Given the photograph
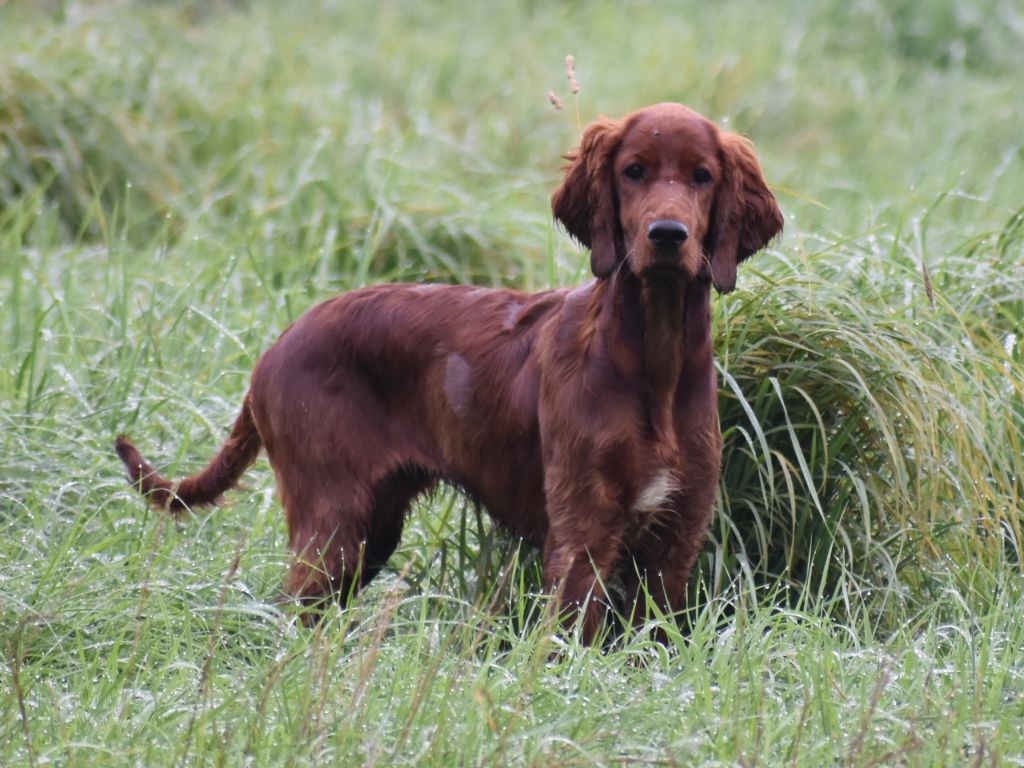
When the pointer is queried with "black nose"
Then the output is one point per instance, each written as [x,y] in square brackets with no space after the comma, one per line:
[667,232]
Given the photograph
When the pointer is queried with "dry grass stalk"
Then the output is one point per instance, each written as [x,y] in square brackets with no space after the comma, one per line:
[570,74]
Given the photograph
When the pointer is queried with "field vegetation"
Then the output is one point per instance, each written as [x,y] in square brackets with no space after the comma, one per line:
[179,180]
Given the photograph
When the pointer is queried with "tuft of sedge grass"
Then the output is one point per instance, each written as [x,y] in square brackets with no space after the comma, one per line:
[866,426]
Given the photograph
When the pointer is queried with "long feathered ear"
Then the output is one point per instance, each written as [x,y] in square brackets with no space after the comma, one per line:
[585,200]
[746,215]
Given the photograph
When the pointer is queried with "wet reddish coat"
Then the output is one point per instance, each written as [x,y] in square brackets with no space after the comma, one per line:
[584,419]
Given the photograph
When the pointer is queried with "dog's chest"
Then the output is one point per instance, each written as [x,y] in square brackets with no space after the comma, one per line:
[656,495]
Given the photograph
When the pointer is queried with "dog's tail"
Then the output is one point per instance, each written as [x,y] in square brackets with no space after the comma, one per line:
[205,487]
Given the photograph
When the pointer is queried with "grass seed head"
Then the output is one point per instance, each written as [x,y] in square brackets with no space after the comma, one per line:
[570,74]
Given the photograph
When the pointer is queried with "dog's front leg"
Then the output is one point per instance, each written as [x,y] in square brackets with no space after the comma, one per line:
[664,560]
[576,580]
[582,550]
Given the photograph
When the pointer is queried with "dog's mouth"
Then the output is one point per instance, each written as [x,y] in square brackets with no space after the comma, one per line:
[668,258]
[666,265]
[666,269]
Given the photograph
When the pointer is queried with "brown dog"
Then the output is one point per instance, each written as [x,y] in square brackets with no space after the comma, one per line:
[584,419]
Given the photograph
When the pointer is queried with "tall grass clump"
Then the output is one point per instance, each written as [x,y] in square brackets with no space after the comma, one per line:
[872,408]
[82,119]
[108,106]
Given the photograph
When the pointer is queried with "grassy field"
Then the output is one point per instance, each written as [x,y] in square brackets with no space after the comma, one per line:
[179,180]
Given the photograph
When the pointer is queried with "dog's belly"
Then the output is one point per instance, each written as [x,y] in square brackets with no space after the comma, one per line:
[510,488]
[488,441]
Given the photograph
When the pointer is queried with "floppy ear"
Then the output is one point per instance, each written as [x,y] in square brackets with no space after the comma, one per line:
[585,200]
[746,214]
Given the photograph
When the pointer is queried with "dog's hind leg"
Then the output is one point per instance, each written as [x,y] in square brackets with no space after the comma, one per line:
[343,533]
[328,528]
[391,499]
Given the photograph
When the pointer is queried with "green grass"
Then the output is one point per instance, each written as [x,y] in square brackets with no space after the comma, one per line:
[180,180]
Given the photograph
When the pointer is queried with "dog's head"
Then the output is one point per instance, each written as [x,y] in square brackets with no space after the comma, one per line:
[665,189]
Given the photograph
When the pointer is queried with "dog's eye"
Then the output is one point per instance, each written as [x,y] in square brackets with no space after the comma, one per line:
[701,176]
[634,172]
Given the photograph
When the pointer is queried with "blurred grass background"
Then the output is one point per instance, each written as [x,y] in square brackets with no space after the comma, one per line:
[179,180]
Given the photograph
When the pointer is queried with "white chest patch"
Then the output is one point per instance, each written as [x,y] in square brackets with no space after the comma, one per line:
[656,494]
